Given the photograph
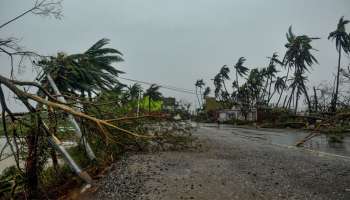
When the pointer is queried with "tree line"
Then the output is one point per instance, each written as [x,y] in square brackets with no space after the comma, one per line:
[265,87]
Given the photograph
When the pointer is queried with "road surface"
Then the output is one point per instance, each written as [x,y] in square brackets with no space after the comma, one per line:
[231,164]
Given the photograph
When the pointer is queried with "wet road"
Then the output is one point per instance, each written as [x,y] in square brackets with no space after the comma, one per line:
[288,138]
[233,163]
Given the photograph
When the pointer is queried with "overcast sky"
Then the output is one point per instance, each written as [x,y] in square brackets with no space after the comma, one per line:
[175,42]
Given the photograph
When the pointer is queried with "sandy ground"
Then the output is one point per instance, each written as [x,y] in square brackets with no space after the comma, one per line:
[228,167]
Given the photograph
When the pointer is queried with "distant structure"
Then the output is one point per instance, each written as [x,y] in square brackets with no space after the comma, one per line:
[235,113]
[169,104]
[218,113]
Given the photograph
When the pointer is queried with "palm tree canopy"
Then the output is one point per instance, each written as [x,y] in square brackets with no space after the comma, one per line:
[224,72]
[271,69]
[280,84]
[134,90]
[218,84]
[298,51]
[255,81]
[342,39]
[153,92]
[91,70]
[240,69]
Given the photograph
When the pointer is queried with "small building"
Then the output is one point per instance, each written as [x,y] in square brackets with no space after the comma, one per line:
[236,113]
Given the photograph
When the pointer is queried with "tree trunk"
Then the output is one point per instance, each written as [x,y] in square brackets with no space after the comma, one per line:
[31,165]
[334,102]
[296,102]
[285,100]
[307,98]
[284,89]
[279,98]
[265,90]
[268,96]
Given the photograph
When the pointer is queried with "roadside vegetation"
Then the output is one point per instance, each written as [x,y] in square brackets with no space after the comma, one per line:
[77,116]
[280,94]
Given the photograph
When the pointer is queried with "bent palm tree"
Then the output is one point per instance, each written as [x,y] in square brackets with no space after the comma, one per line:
[218,85]
[240,69]
[224,74]
[199,84]
[271,73]
[299,57]
[280,85]
[342,42]
[90,71]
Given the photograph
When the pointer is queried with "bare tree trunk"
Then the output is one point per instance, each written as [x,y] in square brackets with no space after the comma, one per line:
[334,102]
[279,98]
[268,95]
[31,164]
[307,98]
[296,102]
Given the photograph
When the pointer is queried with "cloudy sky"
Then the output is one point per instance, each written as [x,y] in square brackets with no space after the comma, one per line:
[175,42]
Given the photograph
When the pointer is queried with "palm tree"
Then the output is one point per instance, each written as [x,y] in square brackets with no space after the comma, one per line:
[298,86]
[342,42]
[153,94]
[199,84]
[299,57]
[218,85]
[280,85]
[90,71]
[224,74]
[240,69]
[255,85]
[271,73]
[134,91]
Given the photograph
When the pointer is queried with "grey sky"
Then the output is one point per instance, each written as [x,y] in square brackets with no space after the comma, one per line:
[176,42]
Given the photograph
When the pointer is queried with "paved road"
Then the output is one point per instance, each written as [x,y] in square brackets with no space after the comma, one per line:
[229,165]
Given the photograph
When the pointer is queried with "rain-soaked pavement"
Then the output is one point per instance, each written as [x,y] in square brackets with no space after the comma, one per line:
[288,138]
[234,163]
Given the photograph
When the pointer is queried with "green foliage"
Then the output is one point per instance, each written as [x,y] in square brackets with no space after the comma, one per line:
[89,71]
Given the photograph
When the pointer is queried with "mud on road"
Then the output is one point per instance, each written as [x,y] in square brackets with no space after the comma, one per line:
[227,167]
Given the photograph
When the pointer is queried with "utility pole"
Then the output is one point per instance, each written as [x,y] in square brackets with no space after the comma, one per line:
[78,132]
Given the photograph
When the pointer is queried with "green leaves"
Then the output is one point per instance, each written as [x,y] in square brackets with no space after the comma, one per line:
[298,54]
[341,37]
[153,92]
[240,69]
[89,71]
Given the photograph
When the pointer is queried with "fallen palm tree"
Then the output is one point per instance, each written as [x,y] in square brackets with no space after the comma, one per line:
[111,131]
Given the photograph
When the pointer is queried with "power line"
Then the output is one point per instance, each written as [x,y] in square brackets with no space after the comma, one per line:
[169,87]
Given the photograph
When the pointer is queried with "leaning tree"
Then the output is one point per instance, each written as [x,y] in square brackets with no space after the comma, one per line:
[298,56]
[342,43]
